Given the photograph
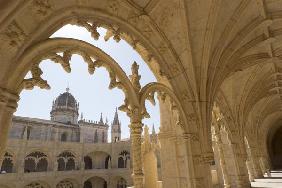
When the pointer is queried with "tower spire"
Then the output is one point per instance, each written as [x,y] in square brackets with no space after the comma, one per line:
[116,120]
[101,119]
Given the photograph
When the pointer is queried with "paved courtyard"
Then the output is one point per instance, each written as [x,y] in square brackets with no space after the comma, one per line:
[275,180]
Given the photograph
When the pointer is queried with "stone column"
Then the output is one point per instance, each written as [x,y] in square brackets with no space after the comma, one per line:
[218,141]
[255,162]
[250,170]
[253,156]
[8,105]
[149,161]
[240,157]
[170,176]
[198,165]
[135,136]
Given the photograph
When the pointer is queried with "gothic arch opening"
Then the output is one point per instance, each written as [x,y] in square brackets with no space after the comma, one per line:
[95,182]
[117,79]
[66,161]
[35,162]
[87,162]
[7,164]
[65,184]
[98,160]
[276,149]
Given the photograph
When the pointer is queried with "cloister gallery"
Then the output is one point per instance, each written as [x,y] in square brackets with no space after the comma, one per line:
[219,77]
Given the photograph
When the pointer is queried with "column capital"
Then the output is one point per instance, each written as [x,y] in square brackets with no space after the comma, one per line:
[9,99]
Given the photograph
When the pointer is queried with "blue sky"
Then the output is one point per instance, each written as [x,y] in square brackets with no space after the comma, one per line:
[91,91]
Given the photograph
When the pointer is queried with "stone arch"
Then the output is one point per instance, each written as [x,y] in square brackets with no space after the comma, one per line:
[123,158]
[60,18]
[276,151]
[49,49]
[37,184]
[99,159]
[36,162]
[97,182]
[8,163]
[87,162]
[121,163]
[120,182]
[69,181]
[45,85]
[66,161]
[66,183]
[108,162]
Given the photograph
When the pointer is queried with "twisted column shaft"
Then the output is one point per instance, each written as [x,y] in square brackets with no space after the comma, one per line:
[136,132]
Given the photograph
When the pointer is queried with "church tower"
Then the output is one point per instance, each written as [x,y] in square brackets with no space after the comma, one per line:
[116,131]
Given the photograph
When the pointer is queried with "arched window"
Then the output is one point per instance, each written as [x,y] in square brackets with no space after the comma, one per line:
[121,162]
[87,184]
[7,164]
[29,165]
[107,160]
[66,161]
[64,137]
[42,165]
[87,162]
[36,162]
[121,183]
[65,184]
[70,165]
[61,164]
[34,185]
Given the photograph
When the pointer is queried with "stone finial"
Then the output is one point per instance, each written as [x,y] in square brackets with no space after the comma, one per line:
[135,77]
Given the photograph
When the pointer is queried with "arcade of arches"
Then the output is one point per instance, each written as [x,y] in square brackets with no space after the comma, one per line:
[219,70]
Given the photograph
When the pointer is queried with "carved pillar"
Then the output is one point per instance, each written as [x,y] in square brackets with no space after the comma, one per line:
[255,162]
[149,161]
[264,166]
[135,135]
[168,159]
[8,105]
[198,166]
[223,166]
[240,157]
[250,170]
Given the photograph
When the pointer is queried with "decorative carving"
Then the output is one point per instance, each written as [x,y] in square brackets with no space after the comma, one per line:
[91,28]
[113,32]
[42,7]
[113,7]
[9,99]
[135,77]
[36,79]
[63,60]
[15,34]
[114,81]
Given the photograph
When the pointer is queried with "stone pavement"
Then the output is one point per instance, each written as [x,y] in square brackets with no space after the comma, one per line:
[275,180]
